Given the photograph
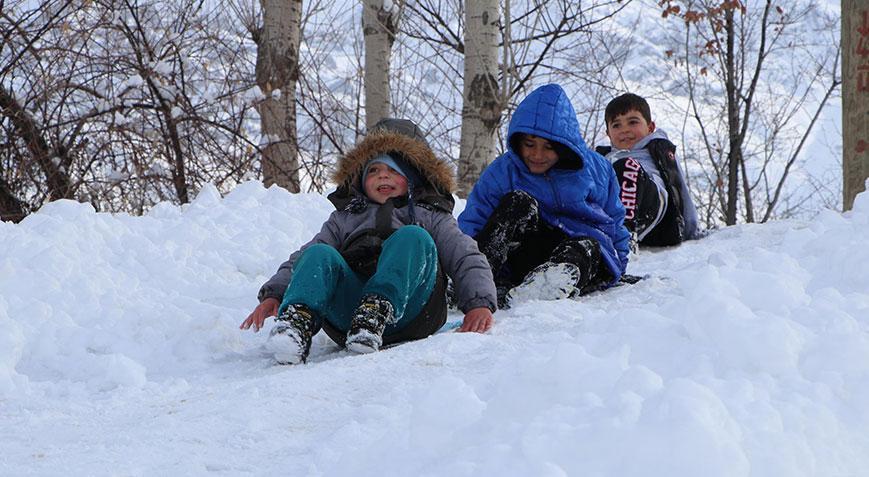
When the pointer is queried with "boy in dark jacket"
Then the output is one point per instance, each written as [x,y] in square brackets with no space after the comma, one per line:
[658,206]
[546,213]
[374,274]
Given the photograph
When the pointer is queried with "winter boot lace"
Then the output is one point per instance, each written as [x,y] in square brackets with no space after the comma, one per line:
[290,339]
[549,281]
[369,321]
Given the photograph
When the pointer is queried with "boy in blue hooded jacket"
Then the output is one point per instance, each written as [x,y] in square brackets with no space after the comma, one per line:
[547,212]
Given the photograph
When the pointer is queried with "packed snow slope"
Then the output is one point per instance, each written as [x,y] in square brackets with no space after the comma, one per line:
[745,353]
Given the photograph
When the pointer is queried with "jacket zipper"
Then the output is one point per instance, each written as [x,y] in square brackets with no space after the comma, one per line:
[558,206]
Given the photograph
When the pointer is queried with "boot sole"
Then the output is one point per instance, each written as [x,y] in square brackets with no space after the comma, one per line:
[363,342]
[548,285]
[285,348]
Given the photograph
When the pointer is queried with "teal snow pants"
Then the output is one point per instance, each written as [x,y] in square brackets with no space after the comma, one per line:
[406,275]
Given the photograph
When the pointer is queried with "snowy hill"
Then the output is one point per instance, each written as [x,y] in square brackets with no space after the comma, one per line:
[746,353]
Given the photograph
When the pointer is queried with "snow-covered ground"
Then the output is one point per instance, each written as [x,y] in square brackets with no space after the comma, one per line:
[746,353]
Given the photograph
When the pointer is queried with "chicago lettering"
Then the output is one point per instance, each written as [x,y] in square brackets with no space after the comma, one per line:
[628,195]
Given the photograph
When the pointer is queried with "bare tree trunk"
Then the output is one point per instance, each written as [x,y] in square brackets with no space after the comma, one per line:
[481,109]
[52,163]
[855,99]
[734,154]
[11,209]
[746,194]
[379,25]
[175,150]
[277,71]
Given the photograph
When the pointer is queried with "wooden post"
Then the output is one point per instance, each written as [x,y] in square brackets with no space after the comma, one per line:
[855,98]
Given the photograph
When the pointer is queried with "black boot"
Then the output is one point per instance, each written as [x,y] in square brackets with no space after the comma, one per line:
[369,321]
[502,290]
[290,339]
[584,252]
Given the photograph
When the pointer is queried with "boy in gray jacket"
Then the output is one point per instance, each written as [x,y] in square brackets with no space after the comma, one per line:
[658,206]
[375,273]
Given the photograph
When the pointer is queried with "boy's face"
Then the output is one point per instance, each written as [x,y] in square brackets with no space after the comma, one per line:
[537,153]
[383,182]
[627,129]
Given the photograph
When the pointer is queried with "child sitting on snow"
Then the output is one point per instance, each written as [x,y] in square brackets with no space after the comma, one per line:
[374,274]
[546,213]
[658,207]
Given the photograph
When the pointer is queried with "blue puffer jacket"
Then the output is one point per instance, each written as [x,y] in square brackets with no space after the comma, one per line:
[580,202]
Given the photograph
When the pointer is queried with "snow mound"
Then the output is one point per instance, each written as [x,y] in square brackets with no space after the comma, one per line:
[745,353]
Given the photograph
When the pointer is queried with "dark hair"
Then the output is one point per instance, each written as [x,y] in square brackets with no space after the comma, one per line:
[626,103]
[567,158]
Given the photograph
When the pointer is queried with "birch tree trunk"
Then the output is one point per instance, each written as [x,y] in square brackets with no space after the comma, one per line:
[379,25]
[481,108]
[277,71]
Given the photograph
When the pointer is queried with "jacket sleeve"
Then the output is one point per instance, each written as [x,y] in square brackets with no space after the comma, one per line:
[689,211]
[464,263]
[484,198]
[277,285]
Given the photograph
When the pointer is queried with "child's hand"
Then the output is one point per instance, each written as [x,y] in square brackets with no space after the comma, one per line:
[478,320]
[268,307]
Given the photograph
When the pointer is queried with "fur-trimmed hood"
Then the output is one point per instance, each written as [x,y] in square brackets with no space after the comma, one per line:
[437,177]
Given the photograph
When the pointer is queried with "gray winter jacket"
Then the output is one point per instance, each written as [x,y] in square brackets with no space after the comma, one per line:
[641,154]
[429,206]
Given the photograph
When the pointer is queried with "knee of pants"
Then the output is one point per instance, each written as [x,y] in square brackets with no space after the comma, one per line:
[319,252]
[518,200]
[412,233]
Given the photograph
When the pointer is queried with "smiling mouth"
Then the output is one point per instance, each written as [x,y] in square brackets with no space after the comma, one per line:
[385,188]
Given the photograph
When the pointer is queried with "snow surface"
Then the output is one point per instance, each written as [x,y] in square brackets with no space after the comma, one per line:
[746,353]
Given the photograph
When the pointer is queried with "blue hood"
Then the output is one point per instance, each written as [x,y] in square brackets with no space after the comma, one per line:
[548,113]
